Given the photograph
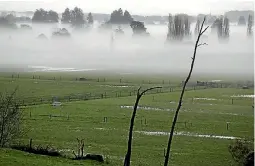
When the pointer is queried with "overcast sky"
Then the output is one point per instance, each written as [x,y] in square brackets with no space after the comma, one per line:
[143,7]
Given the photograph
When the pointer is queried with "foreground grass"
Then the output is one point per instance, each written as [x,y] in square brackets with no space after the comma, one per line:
[205,111]
[85,120]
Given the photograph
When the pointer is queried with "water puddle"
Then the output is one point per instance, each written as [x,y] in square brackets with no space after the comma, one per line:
[181,133]
[117,86]
[216,80]
[244,96]
[147,108]
[228,114]
[204,99]
[57,69]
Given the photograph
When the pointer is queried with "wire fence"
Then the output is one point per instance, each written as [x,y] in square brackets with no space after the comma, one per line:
[104,95]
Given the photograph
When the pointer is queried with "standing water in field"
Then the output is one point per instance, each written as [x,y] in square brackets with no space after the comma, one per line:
[92,50]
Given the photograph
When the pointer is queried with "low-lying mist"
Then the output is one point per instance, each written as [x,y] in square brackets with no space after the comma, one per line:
[93,50]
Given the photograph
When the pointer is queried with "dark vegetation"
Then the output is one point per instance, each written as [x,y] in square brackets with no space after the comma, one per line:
[242,152]
[118,17]
[178,27]
[48,151]
[44,16]
[250,25]
[10,118]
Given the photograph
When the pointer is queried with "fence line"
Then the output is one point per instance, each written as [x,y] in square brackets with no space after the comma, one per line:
[101,95]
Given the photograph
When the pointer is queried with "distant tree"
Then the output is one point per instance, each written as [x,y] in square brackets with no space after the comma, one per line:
[25,27]
[138,28]
[197,28]
[222,25]
[41,15]
[10,18]
[241,21]
[62,32]
[178,27]
[66,16]
[250,26]
[127,17]
[52,16]
[42,37]
[90,19]
[8,21]
[77,18]
[117,17]
[187,32]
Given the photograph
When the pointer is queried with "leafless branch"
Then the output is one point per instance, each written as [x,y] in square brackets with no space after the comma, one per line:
[129,149]
[201,44]
[201,31]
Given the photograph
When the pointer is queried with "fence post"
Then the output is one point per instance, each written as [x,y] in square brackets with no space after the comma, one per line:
[120,80]
[30,143]
[227,125]
[232,101]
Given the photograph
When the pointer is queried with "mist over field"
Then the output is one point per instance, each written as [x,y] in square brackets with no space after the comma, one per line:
[92,49]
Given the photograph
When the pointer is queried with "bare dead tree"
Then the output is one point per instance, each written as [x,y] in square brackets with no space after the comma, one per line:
[80,149]
[10,118]
[132,121]
[201,31]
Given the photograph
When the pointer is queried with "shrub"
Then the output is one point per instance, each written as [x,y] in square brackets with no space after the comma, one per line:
[241,151]
[10,118]
[48,151]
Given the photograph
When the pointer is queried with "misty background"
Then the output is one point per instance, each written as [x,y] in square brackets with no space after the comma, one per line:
[92,50]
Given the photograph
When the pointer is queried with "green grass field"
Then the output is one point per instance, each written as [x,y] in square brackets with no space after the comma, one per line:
[204,112]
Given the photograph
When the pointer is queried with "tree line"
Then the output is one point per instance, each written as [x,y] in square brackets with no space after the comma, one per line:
[178,25]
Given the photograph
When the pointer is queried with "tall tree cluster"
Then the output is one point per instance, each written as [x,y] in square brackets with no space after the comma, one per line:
[178,27]
[222,24]
[76,17]
[250,25]
[42,15]
[118,17]
[197,27]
